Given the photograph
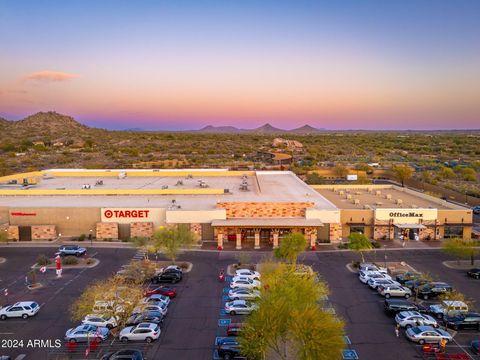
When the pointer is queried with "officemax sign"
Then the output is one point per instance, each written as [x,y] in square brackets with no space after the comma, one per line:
[128,215]
[406,216]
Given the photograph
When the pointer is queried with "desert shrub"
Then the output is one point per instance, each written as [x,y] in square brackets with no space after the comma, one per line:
[184,265]
[82,237]
[43,260]
[89,261]
[69,260]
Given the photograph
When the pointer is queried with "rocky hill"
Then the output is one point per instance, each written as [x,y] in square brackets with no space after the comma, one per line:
[48,123]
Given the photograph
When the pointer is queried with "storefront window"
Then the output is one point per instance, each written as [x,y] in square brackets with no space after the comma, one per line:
[453,231]
[357,229]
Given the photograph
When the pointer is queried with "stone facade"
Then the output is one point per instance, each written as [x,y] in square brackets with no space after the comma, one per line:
[196,229]
[141,229]
[12,233]
[335,232]
[264,209]
[106,231]
[427,234]
[44,232]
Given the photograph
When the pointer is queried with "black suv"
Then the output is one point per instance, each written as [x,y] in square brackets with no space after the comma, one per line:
[125,354]
[167,276]
[150,316]
[432,290]
[394,306]
[474,273]
[463,321]
[229,348]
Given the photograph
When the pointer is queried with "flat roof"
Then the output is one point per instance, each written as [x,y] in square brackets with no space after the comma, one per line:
[263,186]
[380,197]
[275,222]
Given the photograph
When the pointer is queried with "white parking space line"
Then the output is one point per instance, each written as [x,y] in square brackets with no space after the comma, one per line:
[6,333]
[21,357]
[462,347]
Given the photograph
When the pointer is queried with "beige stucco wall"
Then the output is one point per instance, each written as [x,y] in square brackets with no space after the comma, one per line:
[200,217]
[325,216]
[68,221]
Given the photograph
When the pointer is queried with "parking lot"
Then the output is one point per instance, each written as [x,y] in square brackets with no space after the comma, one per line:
[192,323]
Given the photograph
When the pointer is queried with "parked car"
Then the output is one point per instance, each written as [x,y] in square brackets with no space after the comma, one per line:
[409,319]
[427,334]
[167,276]
[155,317]
[407,276]
[474,273]
[372,267]
[433,289]
[74,250]
[375,283]
[162,290]
[414,284]
[86,332]
[23,309]
[239,307]
[475,346]
[394,291]
[254,275]
[234,329]
[154,306]
[142,332]
[476,209]
[448,308]
[393,306]
[243,294]
[171,268]
[125,354]
[228,348]
[101,320]
[243,282]
[470,321]
[364,276]
[156,298]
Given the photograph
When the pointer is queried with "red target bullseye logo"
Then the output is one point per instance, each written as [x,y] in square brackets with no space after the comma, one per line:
[108,214]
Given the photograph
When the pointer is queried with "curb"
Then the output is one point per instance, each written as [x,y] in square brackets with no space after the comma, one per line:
[2,260]
[96,262]
[455,266]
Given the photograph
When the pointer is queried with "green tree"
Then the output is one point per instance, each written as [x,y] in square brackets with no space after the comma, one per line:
[170,240]
[462,248]
[119,300]
[143,243]
[3,236]
[446,173]
[290,247]
[402,173]
[289,323]
[314,179]
[340,170]
[358,242]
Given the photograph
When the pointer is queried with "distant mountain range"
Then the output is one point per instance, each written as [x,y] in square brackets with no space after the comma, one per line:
[264,129]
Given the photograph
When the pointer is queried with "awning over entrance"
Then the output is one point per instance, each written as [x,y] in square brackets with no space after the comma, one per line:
[269,222]
[410,226]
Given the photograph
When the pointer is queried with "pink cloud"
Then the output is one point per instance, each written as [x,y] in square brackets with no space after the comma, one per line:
[49,76]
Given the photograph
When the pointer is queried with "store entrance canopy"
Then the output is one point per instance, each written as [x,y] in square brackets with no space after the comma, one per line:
[410,226]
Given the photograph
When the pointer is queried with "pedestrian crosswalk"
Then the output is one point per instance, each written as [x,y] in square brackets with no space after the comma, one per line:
[140,255]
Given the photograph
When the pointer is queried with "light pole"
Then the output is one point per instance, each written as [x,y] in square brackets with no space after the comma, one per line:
[91,237]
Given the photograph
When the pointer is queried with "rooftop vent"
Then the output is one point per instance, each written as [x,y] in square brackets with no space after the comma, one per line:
[378,192]
[388,196]
[399,201]
[356,201]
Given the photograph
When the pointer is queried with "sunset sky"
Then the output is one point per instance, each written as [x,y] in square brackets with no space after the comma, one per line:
[351,64]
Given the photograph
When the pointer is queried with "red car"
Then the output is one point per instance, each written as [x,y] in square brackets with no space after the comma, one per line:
[162,290]
[234,329]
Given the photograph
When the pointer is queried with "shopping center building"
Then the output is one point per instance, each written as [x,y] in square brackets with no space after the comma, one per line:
[233,209]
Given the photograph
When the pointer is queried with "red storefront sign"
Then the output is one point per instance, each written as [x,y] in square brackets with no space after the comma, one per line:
[126,214]
[19,213]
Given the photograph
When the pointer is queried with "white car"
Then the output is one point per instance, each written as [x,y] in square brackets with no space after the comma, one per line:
[243,282]
[156,298]
[239,307]
[142,332]
[427,334]
[410,319]
[364,276]
[372,267]
[23,309]
[375,283]
[101,320]
[254,275]
[243,294]
[394,291]
[85,333]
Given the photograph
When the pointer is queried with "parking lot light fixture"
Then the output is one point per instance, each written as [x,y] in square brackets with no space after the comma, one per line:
[385,255]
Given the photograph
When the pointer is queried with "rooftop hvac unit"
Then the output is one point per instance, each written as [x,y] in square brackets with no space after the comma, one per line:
[335,190]
[378,192]
[414,206]
[356,201]
[122,175]
[399,201]
[388,196]
[341,192]
[349,196]
[370,190]
[367,207]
